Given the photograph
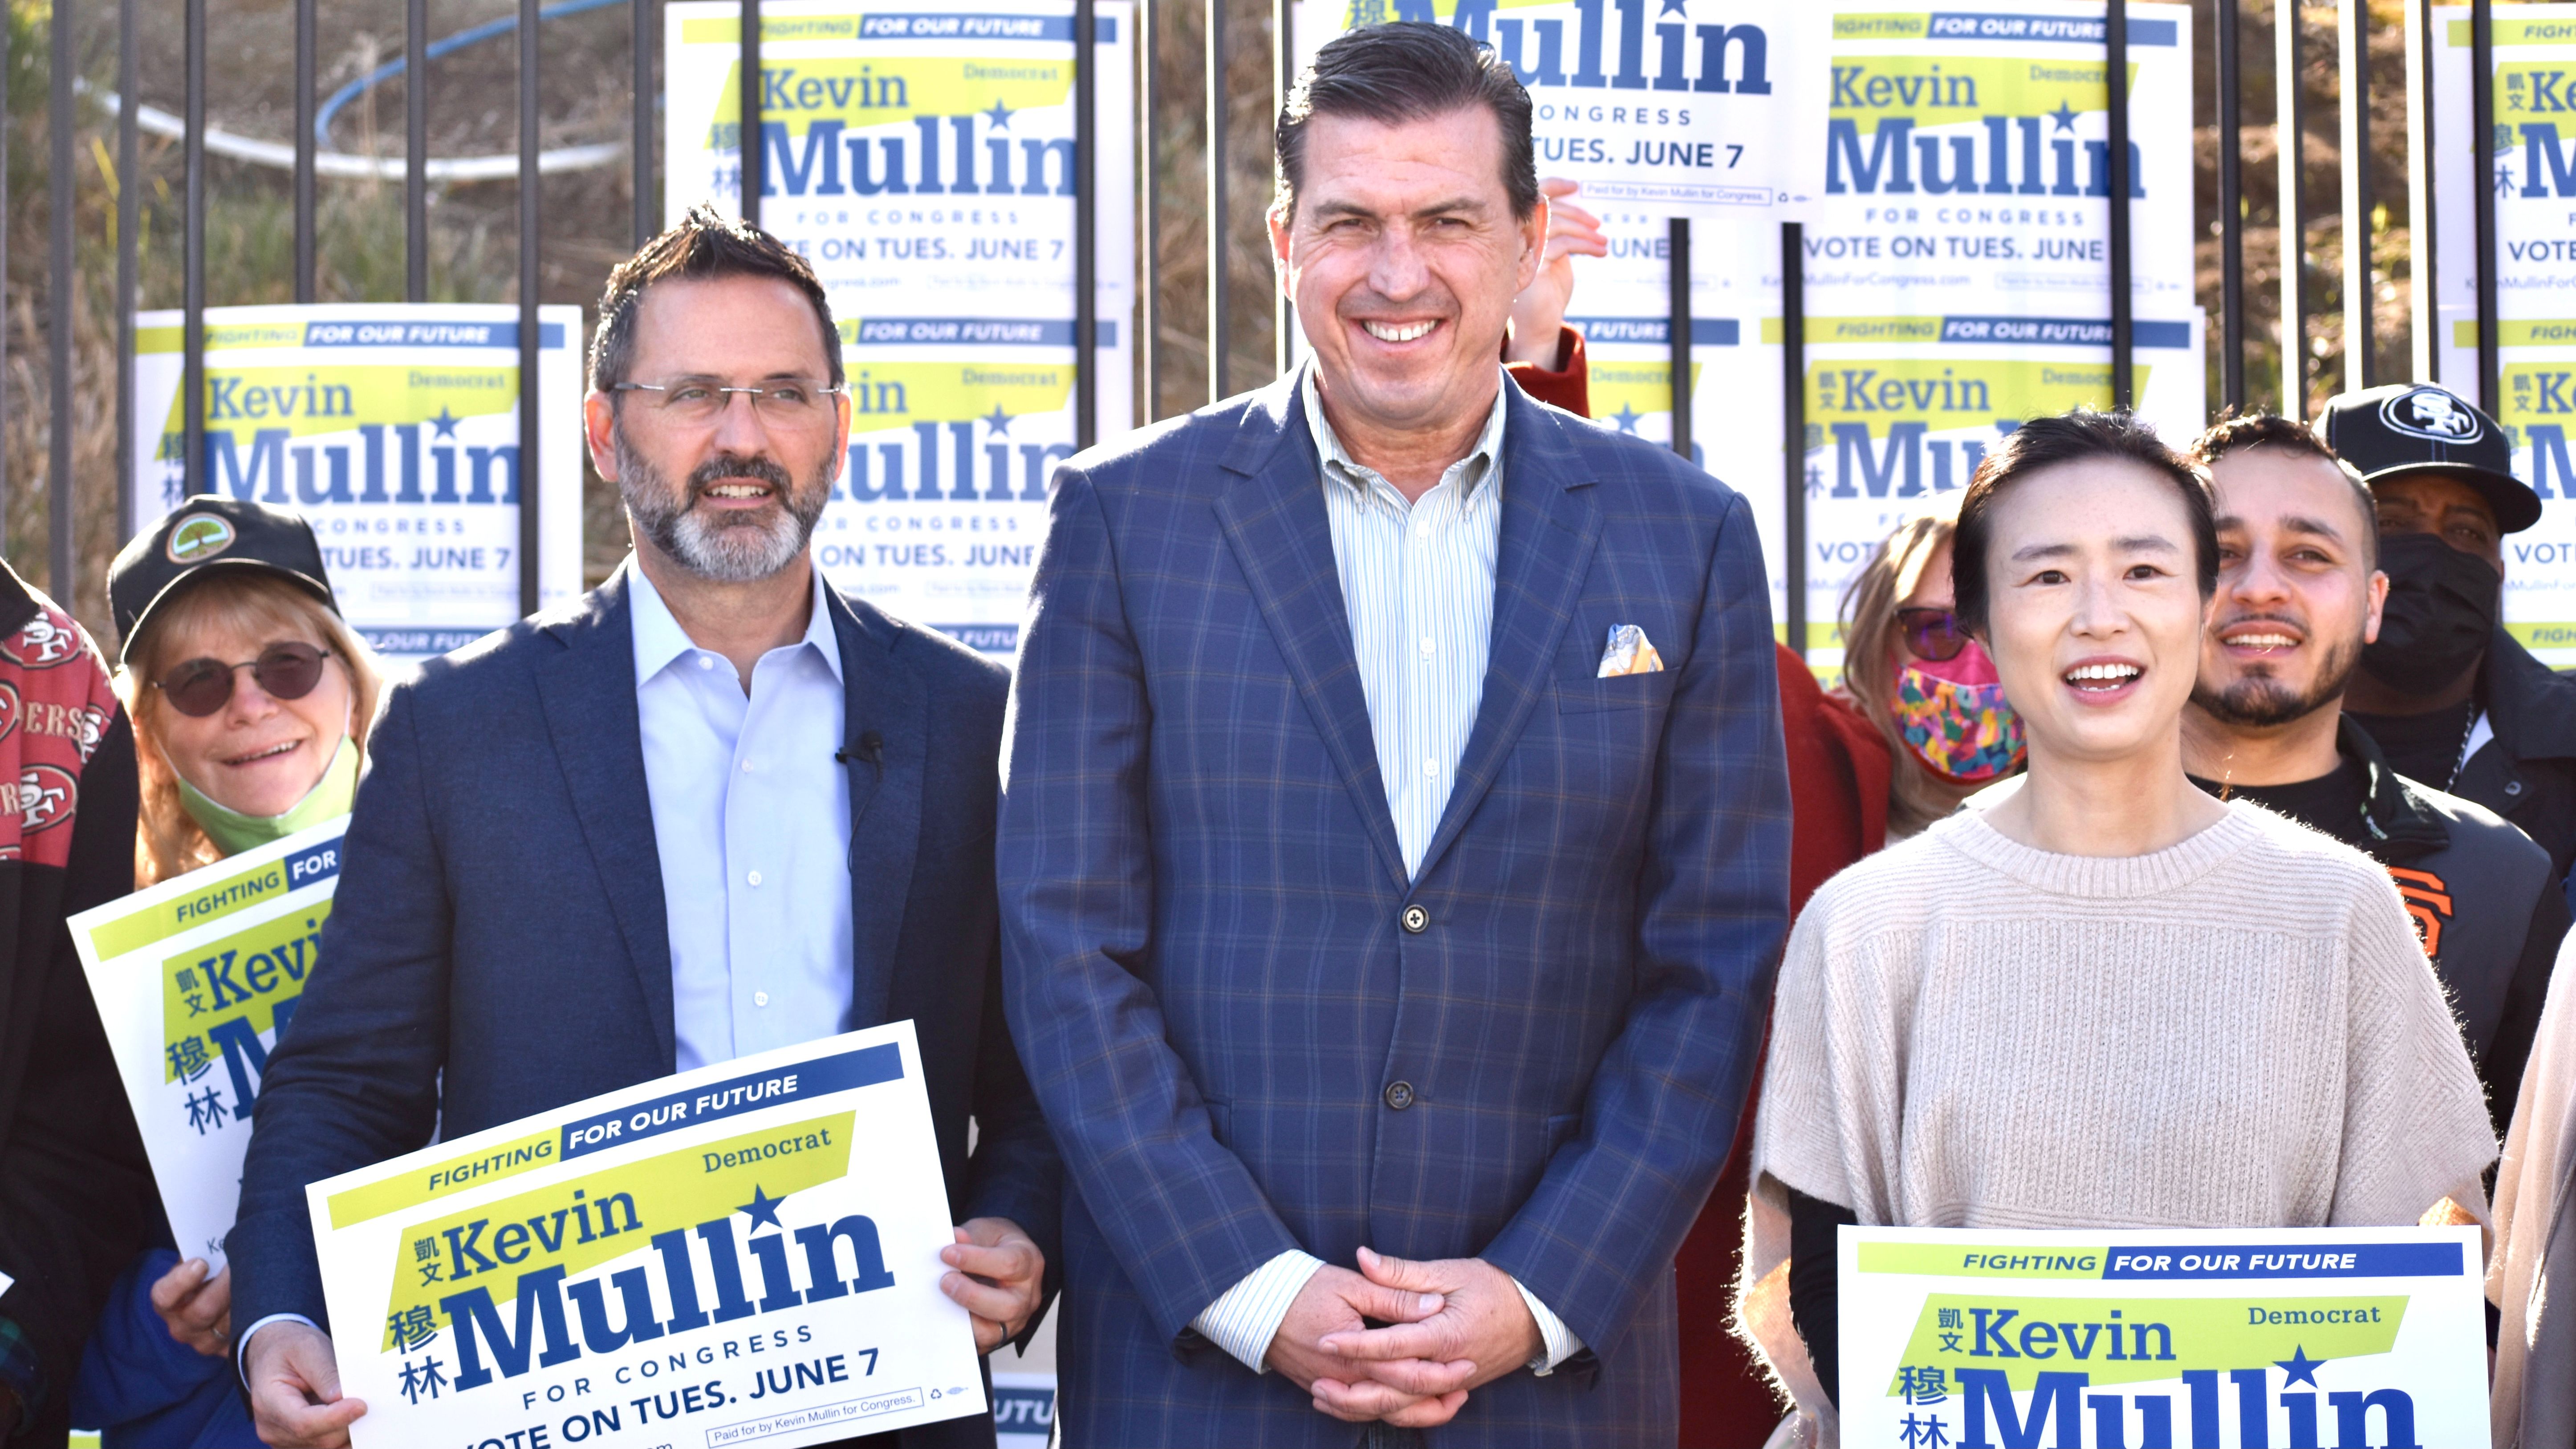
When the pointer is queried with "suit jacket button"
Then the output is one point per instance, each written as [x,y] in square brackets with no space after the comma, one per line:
[1415,920]
[1399,1095]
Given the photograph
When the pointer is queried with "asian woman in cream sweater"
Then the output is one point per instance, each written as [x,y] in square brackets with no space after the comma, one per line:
[2110,1001]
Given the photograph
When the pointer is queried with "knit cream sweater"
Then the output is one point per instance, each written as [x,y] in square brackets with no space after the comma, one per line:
[2239,1030]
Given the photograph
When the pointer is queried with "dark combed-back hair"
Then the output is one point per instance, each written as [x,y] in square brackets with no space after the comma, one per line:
[2236,432]
[1408,70]
[2076,437]
[704,246]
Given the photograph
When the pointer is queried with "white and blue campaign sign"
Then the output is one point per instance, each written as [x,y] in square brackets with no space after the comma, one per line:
[1958,258]
[394,429]
[1704,108]
[194,979]
[923,160]
[2220,1339]
[2531,165]
[743,1254]
[1023,1410]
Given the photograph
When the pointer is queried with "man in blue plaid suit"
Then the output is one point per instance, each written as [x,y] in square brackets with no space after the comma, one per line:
[1394,846]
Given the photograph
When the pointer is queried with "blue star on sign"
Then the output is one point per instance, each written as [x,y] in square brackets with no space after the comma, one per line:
[999,421]
[1674,7]
[2300,1368]
[1626,418]
[1000,116]
[763,1209]
[2064,116]
[445,422]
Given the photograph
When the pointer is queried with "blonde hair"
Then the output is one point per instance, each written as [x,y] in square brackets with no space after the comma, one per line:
[1915,797]
[167,839]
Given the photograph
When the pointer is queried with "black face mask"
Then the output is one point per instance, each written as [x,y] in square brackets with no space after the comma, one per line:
[2441,611]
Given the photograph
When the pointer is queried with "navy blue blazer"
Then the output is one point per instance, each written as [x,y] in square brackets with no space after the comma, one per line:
[1211,952]
[500,920]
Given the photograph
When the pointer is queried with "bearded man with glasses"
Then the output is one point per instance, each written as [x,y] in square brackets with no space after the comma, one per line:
[713,808]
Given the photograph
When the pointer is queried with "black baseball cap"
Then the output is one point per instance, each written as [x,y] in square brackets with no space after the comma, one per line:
[2423,427]
[206,535]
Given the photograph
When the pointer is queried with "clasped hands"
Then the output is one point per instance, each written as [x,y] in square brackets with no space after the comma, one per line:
[1453,1325]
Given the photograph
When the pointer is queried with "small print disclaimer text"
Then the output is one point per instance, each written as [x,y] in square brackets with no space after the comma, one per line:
[846,1411]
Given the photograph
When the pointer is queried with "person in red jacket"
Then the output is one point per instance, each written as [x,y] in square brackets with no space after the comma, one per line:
[1839,779]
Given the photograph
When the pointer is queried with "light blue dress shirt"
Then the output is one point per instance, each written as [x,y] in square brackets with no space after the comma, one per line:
[751,816]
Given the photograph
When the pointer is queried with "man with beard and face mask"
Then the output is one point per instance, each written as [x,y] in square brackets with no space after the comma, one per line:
[714,807]
[2299,599]
[2446,690]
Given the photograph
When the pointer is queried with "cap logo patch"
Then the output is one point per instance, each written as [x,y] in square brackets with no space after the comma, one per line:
[2431,414]
[198,537]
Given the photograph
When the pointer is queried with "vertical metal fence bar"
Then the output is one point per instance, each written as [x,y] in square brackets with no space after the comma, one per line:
[1149,227]
[1793,430]
[1086,232]
[61,290]
[2423,156]
[1283,313]
[531,281]
[416,151]
[306,59]
[2115,47]
[2352,40]
[748,145]
[647,221]
[2231,206]
[129,209]
[192,227]
[1216,248]
[2481,143]
[2292,209]
[1677,326]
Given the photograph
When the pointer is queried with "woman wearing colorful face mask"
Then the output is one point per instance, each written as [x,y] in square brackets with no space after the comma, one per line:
[1927,686]
[250,699]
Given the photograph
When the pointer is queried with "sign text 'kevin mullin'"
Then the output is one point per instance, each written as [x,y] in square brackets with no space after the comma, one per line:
[977,156]
[484,1343]
[2017,158]
[322,473]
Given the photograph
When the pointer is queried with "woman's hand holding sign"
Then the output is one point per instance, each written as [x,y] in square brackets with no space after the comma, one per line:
[998,1275]
[198,1310]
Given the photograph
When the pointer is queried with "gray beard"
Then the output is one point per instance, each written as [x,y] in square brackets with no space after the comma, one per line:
[722,552]
[2262,702]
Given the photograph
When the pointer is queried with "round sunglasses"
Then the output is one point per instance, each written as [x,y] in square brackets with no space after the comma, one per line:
[199,687]
[1932,634]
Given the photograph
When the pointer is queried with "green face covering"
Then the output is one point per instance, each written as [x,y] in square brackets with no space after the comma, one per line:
[233,832]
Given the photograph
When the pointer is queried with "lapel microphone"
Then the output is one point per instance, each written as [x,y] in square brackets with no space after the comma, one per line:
[871,748]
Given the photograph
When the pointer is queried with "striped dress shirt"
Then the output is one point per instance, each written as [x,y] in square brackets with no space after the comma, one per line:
[1418,584]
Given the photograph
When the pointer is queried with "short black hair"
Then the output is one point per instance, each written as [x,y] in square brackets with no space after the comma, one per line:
[1408,70]
[2236,432]
[705,245]
[2073,437]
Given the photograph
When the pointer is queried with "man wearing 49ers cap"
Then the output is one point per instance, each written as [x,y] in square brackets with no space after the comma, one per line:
[2451,697]
[74,1188]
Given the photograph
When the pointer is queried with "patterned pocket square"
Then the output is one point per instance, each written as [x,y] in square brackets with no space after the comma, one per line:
[1629,653]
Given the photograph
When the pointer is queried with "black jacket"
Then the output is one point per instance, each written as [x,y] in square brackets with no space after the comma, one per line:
[75,1192]
[2527,774]
[2485,900]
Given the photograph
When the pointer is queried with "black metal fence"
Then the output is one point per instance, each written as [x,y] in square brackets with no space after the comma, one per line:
[1227,200]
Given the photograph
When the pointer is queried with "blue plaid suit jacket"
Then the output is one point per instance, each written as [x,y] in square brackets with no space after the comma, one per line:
[1201,892]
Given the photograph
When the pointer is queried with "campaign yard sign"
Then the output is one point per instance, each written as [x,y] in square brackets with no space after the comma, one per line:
[2221,1339]
[194,979]
[743,1254]
[923,160]
[1704,108]
[394,430]
[2530,163]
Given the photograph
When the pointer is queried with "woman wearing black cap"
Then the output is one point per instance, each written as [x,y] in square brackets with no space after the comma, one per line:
[250,698]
